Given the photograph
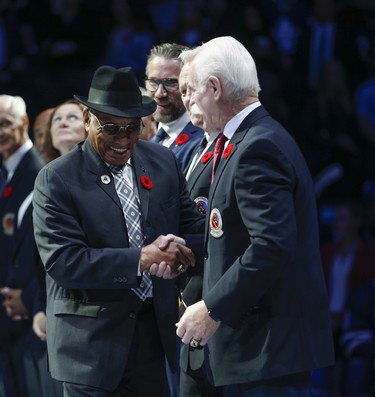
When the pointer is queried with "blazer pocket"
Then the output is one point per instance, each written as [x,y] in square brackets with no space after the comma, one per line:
[77,308]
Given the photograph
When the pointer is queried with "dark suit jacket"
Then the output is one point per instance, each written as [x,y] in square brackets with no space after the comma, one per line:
[262,275]
[184,151]
[82,239]
[17,269]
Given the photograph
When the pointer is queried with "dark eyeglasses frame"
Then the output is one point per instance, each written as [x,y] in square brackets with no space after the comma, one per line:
[114,129]
[170,85]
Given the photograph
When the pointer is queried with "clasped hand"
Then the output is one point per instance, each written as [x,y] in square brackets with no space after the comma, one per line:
[13,303]
[165,256]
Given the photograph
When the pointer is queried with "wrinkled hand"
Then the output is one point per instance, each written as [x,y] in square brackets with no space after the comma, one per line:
[13,303]
[165,255]
[196,323]
[39,325]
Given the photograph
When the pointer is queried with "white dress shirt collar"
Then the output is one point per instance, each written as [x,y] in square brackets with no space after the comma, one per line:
[174,128]
[12,162]
[233,124]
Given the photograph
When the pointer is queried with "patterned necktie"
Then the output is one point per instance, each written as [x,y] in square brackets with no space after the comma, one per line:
[133,216]
[219,147]
[160,135]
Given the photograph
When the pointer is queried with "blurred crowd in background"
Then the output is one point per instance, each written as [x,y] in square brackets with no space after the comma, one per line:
[316,66]
[315,59]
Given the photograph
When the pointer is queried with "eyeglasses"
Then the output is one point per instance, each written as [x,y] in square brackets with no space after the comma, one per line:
[131,130]
[170,85]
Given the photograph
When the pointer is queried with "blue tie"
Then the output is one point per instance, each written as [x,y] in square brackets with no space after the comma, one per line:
[160,135]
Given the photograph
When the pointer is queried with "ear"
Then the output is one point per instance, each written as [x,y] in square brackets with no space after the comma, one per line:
[86,119]
[214,84]
[25,126]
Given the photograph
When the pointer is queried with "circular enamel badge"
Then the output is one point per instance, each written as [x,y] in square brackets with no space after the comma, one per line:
[105,179]
[202,204]
[216,223]
[8,223]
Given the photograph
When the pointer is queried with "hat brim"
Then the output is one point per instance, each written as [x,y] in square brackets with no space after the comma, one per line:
[148,107]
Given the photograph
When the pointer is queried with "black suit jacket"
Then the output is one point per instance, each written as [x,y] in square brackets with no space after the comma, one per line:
[82,239]
[17,268]
[262,275]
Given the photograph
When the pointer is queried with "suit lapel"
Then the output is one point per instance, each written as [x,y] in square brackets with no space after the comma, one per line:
[140,170]
[239,135]
[104,178]
[200,167]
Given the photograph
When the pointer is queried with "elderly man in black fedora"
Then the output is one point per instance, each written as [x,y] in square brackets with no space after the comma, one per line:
[106,219]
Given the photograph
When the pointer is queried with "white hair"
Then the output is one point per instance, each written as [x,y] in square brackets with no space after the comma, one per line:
[228,60]
[14,105]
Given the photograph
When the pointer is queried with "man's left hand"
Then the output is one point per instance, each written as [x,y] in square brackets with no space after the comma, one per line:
[13,303]
[196,324]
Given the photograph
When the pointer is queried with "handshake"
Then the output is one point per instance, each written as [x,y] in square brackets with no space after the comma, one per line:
[167,257]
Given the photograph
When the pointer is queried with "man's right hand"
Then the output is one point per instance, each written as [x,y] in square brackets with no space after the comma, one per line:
[165,255]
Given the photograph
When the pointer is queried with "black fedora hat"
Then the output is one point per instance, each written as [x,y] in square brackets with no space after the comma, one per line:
[116,92]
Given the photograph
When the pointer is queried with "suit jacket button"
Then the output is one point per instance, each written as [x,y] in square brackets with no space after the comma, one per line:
[205,256]
[132,315]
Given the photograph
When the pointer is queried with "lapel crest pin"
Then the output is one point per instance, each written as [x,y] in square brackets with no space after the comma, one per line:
[8,223]
[216,223]
[105,179]
[202,204]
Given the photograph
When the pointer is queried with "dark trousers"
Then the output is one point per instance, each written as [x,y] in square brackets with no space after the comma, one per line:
[195,384]
[144,374]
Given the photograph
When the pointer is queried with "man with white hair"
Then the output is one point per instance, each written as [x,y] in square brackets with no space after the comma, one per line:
[18,271]
[263,319]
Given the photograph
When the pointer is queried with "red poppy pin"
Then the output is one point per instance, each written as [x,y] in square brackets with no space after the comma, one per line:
[146,182]
[227,150]
[7,191]
[181,139]
[206,157]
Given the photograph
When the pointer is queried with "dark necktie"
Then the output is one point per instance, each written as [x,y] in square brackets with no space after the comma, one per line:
[160,135]
[201,147]
[3,177]
[132,215]
[219,147]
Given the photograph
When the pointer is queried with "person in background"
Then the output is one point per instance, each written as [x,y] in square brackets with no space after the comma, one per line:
[66,128]
[175,129]
[264,316]
[19,347]
[348,263]
[106,219]
[40,128]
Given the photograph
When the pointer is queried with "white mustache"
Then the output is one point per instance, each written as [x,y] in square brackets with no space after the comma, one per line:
[195,111]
